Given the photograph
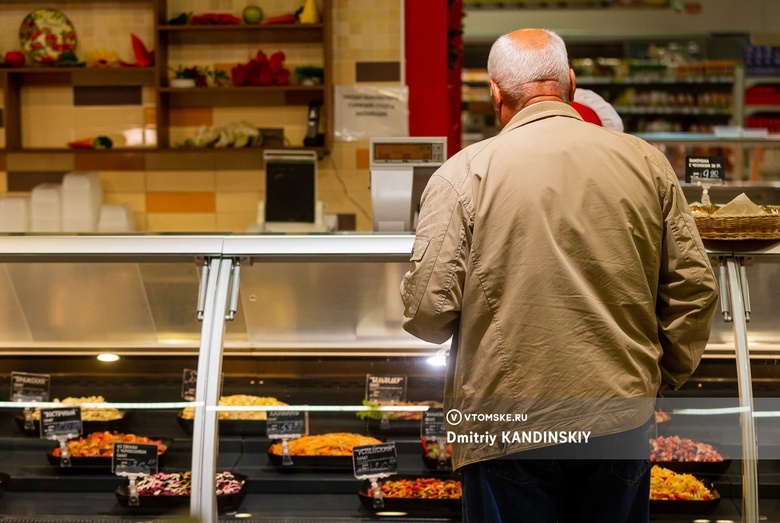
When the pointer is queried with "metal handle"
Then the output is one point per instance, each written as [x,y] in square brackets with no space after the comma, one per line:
[743,282]
[725,300]
[204,278]
[233,297]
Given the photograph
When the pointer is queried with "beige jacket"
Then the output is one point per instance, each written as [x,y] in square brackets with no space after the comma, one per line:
[563,259]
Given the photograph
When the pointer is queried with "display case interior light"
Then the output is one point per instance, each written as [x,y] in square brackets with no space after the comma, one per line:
[107,356]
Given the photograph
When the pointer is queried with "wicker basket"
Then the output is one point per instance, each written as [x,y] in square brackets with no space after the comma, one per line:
[715,227]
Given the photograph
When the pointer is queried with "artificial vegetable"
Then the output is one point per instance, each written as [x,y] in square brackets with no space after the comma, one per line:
[182,19]
[100,142]
[281,19]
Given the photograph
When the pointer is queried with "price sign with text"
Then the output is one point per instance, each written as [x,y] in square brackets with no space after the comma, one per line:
[705,169]
[433,424]
[26,386]
[374,460]
[286,424]
[189,382]
[134,458]
[60,422]
[385,389]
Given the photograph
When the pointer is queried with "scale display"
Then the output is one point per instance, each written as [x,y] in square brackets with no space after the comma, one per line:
[390,152]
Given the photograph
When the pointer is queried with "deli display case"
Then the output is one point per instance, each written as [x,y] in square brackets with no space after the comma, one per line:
[217,335]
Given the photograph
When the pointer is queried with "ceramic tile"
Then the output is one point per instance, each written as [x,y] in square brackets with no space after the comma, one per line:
[181,202]
[178,222]
[136,201]
[237,202]
[123,181]
[236,221]
[183,181]
[240,181]
[191,116]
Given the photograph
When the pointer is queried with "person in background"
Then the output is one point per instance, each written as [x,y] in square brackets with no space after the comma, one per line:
[562,260]
[595,109]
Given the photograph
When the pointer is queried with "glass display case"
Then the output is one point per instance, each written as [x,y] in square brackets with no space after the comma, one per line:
[220,337]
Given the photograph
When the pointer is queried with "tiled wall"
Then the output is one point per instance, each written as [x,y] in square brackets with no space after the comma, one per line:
[209,200]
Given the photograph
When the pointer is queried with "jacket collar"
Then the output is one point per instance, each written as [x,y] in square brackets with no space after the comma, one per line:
[539,111]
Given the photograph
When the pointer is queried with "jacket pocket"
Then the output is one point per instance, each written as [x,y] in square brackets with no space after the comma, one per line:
[419,248]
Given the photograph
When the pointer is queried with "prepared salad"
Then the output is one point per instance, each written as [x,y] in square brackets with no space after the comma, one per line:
[675,448]
[668,485]
[421,488]
[330,444]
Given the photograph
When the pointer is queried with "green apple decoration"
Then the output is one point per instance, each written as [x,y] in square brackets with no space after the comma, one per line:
[252,14]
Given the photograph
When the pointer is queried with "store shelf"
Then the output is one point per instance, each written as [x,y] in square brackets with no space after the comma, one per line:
[164,99]
[673,110]
[140,159]
[585,81]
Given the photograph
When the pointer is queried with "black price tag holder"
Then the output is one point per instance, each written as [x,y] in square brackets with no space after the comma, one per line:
[29,387]
[286,425]
[374,462]
[705,171]
[385,390]
[134,460]
[189,382]
[61,424]
[433,429]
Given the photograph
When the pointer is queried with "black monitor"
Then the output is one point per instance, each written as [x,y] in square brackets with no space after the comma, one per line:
[290,186]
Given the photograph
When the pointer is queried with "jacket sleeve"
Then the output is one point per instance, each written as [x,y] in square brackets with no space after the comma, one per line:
[687,288]
[432,291]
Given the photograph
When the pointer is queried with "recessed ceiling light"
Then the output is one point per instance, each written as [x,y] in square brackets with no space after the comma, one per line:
[108,357]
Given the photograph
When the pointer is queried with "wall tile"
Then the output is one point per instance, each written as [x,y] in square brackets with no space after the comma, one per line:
[123,181]
[136,201]
[236,221]
[240,181]
[191,116]
[184,181]
[181,202]
[237,202]
[177,222]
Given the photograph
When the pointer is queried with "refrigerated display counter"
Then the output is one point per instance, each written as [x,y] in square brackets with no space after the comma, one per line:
[225,328]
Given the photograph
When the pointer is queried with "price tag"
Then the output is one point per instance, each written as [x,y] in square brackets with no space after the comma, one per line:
[385,389]
[705,169]
[30,387]
[286,424]
[433,424]
[134,458]
[374,460]
[189,384]
[60,422]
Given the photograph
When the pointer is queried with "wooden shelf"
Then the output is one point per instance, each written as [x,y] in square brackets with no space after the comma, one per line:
[140,158]
[16,158]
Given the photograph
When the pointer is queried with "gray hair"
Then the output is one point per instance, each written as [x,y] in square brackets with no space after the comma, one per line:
[515,67]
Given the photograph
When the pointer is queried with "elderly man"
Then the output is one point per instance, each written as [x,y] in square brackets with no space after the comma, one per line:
[563,261]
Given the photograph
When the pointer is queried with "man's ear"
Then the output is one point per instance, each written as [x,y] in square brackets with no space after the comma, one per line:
[573,78]
[495,93]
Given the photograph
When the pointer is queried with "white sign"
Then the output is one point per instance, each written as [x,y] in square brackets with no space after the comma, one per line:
[363,111]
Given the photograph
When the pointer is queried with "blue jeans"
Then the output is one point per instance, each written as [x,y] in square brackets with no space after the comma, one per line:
[535,487]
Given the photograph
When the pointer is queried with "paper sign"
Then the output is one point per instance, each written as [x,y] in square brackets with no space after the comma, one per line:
[29,387]
[385,389]
[134,458]
[363,111]
[374,460]
[189,383]
[433,424]
[705,169]
[60,422]
[286,424]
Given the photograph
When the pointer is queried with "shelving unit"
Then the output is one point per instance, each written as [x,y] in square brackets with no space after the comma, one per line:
[762,110]
[17,156]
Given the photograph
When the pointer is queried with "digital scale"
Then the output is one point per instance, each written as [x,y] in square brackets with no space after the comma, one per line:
[400,169]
